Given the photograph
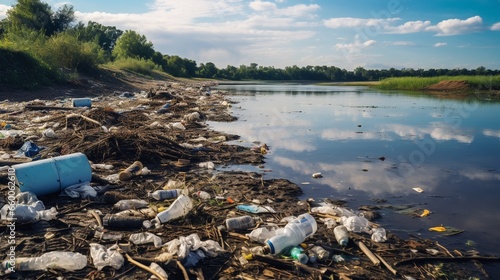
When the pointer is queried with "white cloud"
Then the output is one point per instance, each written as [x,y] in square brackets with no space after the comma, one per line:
[492,133]
[495,27]
[410,27]
[3,11]
[457,26]
[440,44]
[350,22]
[300,10]
[401,43]
[261,6]
[355,46]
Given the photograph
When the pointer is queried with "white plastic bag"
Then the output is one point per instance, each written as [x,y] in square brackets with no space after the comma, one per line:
[83,190]
[144,238]
[154,266]
[106,257]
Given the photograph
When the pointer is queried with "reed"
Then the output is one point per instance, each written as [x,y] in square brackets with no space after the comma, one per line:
[420,83]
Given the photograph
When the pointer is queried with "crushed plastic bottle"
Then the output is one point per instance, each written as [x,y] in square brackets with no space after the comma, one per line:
[130,204]
[144,238]
[356,223]
[320,252]
[108,236]
[56,260]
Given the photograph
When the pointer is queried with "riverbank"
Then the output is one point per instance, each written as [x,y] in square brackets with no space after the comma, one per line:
[171,153]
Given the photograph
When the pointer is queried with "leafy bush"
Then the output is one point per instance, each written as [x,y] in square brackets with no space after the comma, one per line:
[141,66]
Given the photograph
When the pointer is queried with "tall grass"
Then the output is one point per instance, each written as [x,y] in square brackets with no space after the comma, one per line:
[141,66]
[419,83]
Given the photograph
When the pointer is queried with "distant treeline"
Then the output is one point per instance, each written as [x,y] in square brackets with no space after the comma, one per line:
[59,48]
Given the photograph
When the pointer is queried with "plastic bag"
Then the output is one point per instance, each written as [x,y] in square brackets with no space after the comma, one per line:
[83,190]
[106,257]
[379,235]
[29,149]
[182,246]
[356,224]
[26,209]
[144,238]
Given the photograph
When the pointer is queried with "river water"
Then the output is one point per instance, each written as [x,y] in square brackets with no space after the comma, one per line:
[374,148]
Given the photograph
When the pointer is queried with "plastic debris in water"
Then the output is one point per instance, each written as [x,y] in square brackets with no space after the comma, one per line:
[438,229]
[425,213]
[418,190]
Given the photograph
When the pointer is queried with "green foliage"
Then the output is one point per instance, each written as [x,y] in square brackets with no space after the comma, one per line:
[38,16]
[23,71]
[132,44]
[180,67]
[105,36]
[141,66]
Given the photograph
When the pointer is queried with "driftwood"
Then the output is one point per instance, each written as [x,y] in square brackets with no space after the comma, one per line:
[368,253]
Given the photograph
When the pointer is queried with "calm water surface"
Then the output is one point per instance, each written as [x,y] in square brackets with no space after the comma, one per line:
[448,148]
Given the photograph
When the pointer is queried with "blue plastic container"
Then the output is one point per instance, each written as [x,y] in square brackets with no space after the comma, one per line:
[82,102]
[53,175]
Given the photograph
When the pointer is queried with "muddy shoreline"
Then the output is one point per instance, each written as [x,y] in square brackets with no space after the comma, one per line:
[148,134]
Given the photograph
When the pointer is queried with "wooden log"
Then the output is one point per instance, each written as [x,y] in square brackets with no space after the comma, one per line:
[368,253]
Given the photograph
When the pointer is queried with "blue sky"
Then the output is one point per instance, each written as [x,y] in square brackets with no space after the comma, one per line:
[374,34]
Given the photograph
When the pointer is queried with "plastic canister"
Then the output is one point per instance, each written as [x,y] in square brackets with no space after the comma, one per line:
[82,102]
[239,223]
[294,233]
[177,209]
[53,175]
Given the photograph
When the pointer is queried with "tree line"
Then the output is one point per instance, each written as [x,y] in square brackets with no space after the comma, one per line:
[58,43]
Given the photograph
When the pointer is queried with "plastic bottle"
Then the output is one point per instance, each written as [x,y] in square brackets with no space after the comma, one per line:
[294,233]
[297,253]
[320,252]
[56,259]
[124,222]
[131,171]
[202,195]
[166,194]
[112,197]
[238,223]
[130,204]
[108,236]
[341,235]
[178,208]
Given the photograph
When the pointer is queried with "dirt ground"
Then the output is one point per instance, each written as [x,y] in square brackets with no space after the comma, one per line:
[135,130]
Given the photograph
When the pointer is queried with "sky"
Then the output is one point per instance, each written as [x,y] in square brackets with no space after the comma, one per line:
[374,34]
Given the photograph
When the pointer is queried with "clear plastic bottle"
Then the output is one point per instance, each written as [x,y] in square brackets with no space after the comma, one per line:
[123,222]
[167,194]
[130,204]
[341,235]
[56,259]
[320,252]
[203,195]
[356,223]
[180,207]
[239,223]
[294,233]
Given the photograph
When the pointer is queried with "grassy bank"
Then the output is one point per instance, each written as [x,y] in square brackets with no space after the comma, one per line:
[420,83]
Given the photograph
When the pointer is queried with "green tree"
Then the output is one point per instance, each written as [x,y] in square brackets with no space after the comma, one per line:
[37,15]
[132,44]
[207,70]
[105,36]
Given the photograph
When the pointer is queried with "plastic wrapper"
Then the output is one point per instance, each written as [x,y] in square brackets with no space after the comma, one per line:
[182,246]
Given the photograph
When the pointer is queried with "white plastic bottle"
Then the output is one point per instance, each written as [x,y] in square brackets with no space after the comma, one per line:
[167,194]
[341,235]
[238,223]
[294,233]
[177,209]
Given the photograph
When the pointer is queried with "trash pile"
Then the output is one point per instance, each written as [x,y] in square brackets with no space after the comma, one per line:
[126,186]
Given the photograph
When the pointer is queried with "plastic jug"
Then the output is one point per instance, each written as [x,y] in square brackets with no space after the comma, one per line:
[294,233]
